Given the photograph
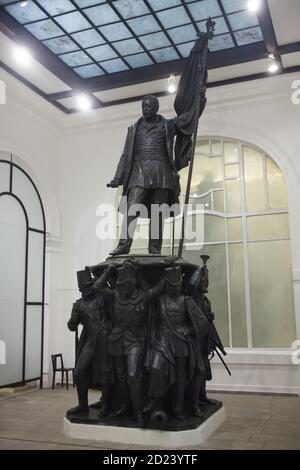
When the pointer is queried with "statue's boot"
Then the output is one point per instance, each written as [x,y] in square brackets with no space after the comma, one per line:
[137,399]
[197,386]
[197,412]
[177,399]
[152,405]
[123,247]
[104,400]
[78,409]
[154,251]
[122,411]
[83,407]
[203,398]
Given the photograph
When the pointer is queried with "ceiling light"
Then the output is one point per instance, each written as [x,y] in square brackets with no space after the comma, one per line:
[22,55]
[84,103]
[274,67]
[172,84]
[273,64]
[23,4]
[254,5]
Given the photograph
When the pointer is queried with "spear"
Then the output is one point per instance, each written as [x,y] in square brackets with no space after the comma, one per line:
[210,26]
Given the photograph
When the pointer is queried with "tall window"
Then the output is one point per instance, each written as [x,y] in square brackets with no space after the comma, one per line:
[246,234]
[22,265]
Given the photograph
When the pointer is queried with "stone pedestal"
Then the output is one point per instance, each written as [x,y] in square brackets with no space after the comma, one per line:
[145,437]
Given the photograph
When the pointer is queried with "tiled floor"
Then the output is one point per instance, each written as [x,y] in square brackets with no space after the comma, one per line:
[33,420]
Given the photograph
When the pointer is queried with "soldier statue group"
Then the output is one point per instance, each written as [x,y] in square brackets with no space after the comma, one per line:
[146,344]
[146,347]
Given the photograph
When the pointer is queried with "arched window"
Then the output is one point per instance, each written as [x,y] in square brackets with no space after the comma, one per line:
[246,233]
[242,193]
[22,267]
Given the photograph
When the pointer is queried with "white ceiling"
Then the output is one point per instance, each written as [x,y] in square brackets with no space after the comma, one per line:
[291,60]
[286,20]
[133,90]
[36,73]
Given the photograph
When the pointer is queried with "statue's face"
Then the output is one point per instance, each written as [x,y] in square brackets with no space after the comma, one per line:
[149,108]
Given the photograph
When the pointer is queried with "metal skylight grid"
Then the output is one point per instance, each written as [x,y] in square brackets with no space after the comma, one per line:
[96,37]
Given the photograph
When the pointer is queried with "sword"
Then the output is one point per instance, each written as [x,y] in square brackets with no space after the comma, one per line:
[222,360]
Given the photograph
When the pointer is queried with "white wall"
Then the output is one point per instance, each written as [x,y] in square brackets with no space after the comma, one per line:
[30,129]
[88,146]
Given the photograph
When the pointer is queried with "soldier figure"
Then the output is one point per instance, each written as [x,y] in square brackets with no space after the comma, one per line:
[93,362]
[128,305]
[172,359]
[208,336]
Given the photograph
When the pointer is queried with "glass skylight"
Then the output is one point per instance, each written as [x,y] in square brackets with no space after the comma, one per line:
[123,34]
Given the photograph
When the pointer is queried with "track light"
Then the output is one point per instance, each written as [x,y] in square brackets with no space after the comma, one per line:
[22,55]
[273,64]
[254,5]
[172,84]
[84,103]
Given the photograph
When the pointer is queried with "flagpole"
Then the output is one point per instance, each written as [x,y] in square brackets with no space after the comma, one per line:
[210,29]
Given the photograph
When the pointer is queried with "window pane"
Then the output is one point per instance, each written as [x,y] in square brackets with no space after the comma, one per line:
[194,228]
[217,291]
[254,179]
[33,342]
[214,228]
[24,189]
[271,289]
[234,229]
[233,195]
[35,267]
[268,226]
[12,282]
[276,186]
[232,171]
[237,295]
[218,199]
[231,152]
[4,177]
[203,146]
[207,174]
[216,147]
[200,203]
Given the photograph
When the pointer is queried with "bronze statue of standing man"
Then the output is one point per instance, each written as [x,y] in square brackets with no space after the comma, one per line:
[149,165]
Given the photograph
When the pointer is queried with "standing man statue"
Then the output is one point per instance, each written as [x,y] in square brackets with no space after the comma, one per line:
[148,168]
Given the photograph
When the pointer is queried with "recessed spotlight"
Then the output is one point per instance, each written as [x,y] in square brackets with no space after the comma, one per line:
[84,103]
[254,5]
[273,64]
[22,55]
[274,67]
[23,4]
[172,84]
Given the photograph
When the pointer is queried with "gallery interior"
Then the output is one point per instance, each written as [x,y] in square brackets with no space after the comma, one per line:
[73,77]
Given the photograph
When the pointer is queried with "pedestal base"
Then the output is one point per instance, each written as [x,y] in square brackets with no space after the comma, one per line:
[146,437]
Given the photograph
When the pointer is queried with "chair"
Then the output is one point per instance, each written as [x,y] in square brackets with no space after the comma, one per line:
[58,366]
